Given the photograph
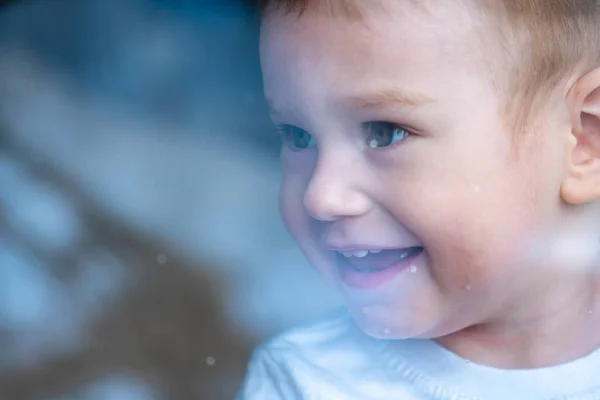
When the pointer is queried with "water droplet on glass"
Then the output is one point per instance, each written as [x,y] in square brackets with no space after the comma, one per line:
[210,361]
[468,287]
[413,269]
[161,259]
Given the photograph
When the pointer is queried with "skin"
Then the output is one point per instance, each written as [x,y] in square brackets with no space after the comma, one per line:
[508,277]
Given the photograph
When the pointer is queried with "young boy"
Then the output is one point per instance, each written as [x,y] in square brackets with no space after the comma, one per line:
[441,169]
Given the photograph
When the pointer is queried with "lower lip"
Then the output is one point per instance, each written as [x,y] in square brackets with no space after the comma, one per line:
[370,280]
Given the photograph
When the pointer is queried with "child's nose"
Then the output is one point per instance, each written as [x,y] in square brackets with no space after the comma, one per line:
[333,193]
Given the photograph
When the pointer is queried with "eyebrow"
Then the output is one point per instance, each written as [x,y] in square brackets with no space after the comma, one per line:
[380,99]
[387,98]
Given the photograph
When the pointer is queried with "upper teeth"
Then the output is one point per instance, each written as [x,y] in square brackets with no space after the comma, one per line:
[359,253]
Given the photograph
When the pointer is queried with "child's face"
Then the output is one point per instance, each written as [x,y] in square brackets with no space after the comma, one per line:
[474,221]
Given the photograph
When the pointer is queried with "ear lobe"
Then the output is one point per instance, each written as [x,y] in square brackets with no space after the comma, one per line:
[582,179]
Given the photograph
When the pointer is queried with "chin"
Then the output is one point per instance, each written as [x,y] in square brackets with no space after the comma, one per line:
[392,327]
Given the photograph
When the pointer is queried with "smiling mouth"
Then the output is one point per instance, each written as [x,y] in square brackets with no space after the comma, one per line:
[370,261]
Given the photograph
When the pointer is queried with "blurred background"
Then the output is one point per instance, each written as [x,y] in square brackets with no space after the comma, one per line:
[141,252]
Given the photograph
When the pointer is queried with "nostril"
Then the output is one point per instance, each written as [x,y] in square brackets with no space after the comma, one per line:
[321,208]
[333,192]
[330,203]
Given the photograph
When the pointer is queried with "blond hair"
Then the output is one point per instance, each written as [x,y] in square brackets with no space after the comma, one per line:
[545,43]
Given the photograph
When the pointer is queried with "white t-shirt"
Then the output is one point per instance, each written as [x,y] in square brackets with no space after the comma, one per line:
[335,360]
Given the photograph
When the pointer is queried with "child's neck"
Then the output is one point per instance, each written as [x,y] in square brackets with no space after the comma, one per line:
[559,329]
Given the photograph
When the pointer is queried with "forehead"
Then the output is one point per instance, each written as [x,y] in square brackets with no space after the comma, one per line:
[418,48]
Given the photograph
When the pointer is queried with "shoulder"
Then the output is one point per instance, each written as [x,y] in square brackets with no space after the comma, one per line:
[323,333]
[305,360]
[311,346]
[333,359]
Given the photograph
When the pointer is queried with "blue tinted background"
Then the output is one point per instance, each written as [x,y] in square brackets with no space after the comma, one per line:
[141,251]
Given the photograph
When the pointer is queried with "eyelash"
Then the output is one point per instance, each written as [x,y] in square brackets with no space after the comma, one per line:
[289,133]
[371,141]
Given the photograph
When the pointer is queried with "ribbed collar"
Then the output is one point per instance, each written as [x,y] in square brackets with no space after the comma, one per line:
[442,375]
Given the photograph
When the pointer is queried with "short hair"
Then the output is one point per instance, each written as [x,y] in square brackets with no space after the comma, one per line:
[546,42]
[348,8]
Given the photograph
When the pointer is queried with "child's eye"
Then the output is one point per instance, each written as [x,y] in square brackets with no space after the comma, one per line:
[296,138]
[383,134]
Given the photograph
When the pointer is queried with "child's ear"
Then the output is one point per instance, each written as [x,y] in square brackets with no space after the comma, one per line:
[581,183]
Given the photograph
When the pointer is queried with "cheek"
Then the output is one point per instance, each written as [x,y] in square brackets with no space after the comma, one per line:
[489,238]
[295,180]
[302,227]
[291,205]
[297,170]
[474,223]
